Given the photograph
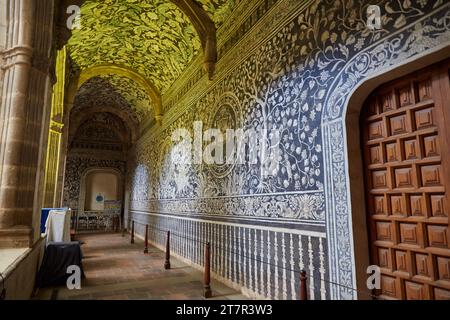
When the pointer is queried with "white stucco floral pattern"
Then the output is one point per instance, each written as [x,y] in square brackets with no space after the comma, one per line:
[297,80]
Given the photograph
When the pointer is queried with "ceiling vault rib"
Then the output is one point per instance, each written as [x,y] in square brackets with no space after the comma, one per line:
[206,30]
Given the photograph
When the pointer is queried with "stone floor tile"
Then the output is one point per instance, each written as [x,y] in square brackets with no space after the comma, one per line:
[117,270]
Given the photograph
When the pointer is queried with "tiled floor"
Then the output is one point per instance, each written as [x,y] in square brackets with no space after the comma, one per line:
[116,269]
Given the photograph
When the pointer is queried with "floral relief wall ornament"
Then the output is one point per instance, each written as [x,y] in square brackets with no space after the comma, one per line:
[285,84]
[298,80]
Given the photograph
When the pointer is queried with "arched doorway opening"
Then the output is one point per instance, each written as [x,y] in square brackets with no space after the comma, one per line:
[404,145]
[362,202]
[95,171]
[101,200]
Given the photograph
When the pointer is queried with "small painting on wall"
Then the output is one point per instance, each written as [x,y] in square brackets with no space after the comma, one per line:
[99,198]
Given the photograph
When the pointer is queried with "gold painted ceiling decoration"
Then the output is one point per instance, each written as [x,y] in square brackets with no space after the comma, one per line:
[132,93]
[153,37]
[115,92]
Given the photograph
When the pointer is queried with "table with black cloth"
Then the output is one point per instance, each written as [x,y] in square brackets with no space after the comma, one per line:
[58,257]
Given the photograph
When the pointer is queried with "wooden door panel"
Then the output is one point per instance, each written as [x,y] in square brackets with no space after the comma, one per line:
[406,158]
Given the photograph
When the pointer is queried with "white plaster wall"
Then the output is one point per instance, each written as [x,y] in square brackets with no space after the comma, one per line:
[102,183]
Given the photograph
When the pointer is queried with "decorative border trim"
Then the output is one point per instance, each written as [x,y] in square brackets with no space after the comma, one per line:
[409,43]
[288,207]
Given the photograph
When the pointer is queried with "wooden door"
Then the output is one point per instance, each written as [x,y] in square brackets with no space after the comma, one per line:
[406,148]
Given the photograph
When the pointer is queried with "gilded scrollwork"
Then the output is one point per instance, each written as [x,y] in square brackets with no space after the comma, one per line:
[285,85]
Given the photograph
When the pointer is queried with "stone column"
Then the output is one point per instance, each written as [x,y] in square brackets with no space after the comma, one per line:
[42,78]
[15,228]
[25,117]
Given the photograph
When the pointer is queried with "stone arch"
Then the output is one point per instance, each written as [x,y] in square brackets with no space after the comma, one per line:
[206,31]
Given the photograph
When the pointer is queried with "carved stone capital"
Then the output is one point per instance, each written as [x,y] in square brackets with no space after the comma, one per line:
[56,126]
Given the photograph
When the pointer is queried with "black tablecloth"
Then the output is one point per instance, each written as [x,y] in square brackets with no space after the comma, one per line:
[57,257]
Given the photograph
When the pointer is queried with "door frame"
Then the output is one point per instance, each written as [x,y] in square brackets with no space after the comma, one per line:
[352,112]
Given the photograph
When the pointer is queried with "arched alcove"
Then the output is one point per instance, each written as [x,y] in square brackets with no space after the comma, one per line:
[101,186]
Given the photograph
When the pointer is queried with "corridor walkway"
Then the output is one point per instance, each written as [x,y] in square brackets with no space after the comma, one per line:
[116,269]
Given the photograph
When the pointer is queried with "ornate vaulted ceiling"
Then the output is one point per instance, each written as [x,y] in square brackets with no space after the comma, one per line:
[133,94]
[115,92]
[154,38]
[102,130]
